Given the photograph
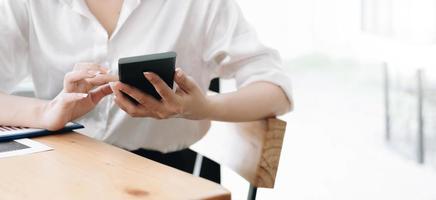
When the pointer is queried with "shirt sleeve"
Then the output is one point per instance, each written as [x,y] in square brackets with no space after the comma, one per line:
[233,50]
[14,26]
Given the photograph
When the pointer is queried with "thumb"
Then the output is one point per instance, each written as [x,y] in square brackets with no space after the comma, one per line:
[100,93]
[185,82]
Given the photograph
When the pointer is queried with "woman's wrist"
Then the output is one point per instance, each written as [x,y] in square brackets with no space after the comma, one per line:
[41,111]
[213,110]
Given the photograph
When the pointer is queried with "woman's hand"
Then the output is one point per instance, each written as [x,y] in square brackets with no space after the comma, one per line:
[84,87]
[187,102]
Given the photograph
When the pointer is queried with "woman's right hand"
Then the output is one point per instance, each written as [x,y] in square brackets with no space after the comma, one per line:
[84,87]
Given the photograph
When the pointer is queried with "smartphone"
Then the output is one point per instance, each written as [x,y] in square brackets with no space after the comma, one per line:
[131,71]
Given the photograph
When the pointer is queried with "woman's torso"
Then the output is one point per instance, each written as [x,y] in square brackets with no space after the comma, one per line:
[64,32]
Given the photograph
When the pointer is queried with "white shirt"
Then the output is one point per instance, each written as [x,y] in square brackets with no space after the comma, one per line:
[46,38]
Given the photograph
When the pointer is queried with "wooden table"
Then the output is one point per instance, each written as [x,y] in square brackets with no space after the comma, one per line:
[83,168]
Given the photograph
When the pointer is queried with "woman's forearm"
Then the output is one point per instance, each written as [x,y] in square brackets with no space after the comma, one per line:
[253,102]
[21,111]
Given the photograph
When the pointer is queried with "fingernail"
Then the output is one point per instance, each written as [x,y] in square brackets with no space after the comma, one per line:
[105,68]
[83,95]
[148,75]
[112,85]
[93,72]
[179,73]
[105,71]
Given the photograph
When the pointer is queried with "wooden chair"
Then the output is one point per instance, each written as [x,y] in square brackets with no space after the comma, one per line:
[251,149]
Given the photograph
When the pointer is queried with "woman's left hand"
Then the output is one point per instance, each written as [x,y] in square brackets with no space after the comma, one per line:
[187,102]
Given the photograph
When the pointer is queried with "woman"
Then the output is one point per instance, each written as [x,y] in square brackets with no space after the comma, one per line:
[69,48]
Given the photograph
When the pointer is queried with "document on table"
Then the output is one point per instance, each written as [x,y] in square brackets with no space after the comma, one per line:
[11,130]
[21,147]
[8,133]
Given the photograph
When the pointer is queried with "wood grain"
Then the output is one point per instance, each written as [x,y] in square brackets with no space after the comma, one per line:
[83,168]
[251,149]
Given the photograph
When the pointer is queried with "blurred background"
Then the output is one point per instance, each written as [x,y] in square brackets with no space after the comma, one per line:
[364,125]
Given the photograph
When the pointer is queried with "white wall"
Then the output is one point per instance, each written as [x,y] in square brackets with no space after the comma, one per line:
[298,27]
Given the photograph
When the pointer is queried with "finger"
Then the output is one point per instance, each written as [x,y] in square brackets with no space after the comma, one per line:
[157,111]
[70,98]
[161,87]
[185,82]
[104,70]
[179,91]
[112,85]
[125,104]
[138,95]
[102,79]
[100,93]
[75,76]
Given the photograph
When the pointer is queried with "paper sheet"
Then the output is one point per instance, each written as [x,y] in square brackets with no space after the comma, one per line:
[21,147]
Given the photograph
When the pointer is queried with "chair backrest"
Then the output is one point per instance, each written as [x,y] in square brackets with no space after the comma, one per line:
[251,149]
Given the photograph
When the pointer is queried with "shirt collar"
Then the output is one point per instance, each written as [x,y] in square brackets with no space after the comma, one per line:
[128,7]
[80,7]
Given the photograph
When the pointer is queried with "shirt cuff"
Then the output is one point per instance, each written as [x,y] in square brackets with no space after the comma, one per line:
[267,71]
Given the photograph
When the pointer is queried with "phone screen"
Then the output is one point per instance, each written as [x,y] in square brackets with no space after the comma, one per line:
[131,71]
